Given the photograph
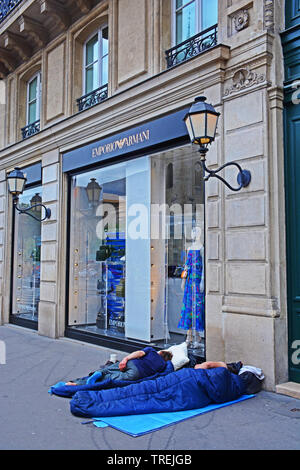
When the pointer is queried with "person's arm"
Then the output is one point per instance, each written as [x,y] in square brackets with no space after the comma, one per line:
[210,365]
[134,355]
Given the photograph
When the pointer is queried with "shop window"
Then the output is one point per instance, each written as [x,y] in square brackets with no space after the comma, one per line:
[135,227]
[33,104]
[95,69]
[26,259]
[181,252]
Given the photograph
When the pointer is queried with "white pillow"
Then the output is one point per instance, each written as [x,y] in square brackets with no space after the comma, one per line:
[180,355]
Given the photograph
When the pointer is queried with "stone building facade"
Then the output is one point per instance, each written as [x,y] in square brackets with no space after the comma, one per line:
[239,68]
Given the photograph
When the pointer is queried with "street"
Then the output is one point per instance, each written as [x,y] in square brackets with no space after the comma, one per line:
[33,419]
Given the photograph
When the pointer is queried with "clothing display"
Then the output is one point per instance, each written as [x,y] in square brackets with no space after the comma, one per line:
[111,285]
[193,299]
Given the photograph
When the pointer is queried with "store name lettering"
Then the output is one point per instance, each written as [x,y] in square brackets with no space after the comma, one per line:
[119,144]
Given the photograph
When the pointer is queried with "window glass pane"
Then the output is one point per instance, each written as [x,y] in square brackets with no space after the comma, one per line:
[180,3]
[186,23]
[181,300]
[127,254]
[104,41]
[92,51]
[104,70]
[97,251]
[32,92]
[26,267]
[32,112]
[92,78]
[209,13]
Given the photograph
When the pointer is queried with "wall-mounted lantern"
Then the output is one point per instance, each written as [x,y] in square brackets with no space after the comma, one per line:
[16,183]
[201,122]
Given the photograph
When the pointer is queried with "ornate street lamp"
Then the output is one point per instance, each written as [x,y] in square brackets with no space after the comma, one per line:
[16,183]
[201,122]
[93,190]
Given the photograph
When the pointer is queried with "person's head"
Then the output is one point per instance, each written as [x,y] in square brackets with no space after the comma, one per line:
[166,355]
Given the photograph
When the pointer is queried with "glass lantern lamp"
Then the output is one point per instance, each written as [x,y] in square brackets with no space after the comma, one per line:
[16,182]
[201,122]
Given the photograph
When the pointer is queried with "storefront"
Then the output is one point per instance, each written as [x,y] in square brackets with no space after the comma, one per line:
[135,222]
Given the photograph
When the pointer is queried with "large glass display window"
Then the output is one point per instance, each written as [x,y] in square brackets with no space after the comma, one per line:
[26,259]
[136,264]
[178,254]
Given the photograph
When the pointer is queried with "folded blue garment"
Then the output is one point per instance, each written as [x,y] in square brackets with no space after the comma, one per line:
[138,425]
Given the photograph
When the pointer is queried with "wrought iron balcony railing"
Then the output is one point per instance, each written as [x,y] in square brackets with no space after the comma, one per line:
[192,47]
[93,98]
[30,129]
[6,6]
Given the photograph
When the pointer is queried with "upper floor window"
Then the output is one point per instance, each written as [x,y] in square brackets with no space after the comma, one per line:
[192,17]
[194,31]
[33,106]
[33,99]
[96,61]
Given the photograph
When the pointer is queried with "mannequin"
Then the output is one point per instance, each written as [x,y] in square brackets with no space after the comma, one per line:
[192,312]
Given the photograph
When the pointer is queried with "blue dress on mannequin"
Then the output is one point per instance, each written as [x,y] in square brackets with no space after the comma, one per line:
[193,299]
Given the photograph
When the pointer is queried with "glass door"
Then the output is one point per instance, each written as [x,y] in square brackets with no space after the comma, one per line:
[26,260]
[97,251]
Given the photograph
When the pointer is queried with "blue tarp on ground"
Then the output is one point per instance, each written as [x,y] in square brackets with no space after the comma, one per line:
[138,425]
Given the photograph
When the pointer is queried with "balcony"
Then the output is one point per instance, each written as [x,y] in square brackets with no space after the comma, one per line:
[30,129]
[192,47]
[27,26]
[6,6]
[93,98]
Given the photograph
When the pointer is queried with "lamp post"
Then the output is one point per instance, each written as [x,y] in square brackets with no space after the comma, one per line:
[201,122]
[16,183]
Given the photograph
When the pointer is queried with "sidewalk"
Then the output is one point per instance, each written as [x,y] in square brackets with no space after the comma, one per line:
[30,418]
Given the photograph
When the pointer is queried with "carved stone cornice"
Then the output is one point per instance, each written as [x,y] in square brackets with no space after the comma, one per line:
[18,44]
[56,11]
[83,5]
[3,71]
[7,59]
[34,30]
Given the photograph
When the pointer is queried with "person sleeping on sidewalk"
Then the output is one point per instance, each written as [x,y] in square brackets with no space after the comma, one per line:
[137,365]
[185,389]
[251,376]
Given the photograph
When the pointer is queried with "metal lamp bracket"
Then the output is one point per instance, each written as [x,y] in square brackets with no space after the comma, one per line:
[26,211]
[243,178]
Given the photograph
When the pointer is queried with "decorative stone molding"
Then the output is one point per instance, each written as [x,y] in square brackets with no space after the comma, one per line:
[244,78]
[241,20]
[36,33]
[269,15]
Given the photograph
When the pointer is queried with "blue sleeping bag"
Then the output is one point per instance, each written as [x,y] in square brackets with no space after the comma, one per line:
[185,389]
[68,391]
